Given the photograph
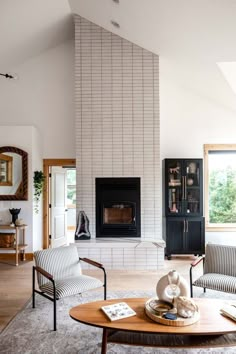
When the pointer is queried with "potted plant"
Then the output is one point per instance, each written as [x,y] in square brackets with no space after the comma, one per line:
[39,179]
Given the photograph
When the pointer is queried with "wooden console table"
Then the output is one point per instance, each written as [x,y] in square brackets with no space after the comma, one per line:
[18,247]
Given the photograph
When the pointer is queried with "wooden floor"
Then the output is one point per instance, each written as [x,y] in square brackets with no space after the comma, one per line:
[16,282]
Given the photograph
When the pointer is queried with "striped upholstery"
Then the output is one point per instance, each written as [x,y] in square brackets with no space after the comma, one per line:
[218,282]
[71,286]
[220,259]
[219,269]
[63,263]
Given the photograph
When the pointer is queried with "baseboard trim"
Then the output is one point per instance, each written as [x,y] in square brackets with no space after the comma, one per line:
[12,256]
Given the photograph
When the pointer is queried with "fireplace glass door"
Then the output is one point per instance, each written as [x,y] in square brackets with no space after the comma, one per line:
[119,213]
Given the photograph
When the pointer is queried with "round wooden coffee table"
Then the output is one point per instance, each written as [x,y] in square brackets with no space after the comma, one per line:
[212,329]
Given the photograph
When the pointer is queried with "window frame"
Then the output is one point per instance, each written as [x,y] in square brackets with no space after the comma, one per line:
[214,147]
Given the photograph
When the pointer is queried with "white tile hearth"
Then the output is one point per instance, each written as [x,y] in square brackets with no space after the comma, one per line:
[123,253]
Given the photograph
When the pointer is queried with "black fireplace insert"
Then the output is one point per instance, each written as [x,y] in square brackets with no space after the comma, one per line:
[118,207]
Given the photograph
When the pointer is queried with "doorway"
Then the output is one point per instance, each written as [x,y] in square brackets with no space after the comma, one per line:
[48,165]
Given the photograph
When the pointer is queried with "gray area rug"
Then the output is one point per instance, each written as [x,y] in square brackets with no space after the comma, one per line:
[31,332]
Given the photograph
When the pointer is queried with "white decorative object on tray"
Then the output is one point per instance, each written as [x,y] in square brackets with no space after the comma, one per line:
[118,311]
[172,285]
[178,322]
[185,306]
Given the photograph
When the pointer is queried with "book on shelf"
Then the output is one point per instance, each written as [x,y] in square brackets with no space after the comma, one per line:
[229,311]
[118,311]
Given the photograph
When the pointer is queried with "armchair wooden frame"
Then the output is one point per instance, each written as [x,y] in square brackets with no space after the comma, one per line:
[194,264]
[51,279]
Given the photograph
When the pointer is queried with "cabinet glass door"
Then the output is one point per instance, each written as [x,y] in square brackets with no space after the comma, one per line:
[174,187]
[184,189]
[192,188]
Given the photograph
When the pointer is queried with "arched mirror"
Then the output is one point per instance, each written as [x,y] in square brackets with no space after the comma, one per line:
[13,173]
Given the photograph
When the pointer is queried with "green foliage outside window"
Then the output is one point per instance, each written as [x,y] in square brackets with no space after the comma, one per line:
[71,186]
[222,195]
[71,177]
[39,180]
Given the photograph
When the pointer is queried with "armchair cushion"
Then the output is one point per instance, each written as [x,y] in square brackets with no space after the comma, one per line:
[218,282]
[71,286]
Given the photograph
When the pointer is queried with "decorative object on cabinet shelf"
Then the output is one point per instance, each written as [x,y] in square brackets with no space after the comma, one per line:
[174,182]
[175,170]
[39,179]
[192,167]
[173,207]
[190,181]
[14,212]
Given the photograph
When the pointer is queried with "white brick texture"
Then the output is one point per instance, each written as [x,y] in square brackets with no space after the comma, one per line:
[117,120]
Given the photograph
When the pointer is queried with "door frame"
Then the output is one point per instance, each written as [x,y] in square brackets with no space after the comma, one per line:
[47,163]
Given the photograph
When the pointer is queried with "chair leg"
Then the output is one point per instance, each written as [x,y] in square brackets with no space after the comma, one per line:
[54,309]
[204,289]
[54,315]
[105,292]
[191,290]
[33,288]
[191,282]
[105,284]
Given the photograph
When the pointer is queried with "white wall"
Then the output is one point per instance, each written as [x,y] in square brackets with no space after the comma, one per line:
[23,137]
[37,165]
[188,121]
[38,110]
[44,97]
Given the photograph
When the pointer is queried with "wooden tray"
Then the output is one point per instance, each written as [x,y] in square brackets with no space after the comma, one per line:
[179,322]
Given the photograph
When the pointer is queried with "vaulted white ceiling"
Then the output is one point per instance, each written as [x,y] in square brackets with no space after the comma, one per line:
[190,36]
[29,27]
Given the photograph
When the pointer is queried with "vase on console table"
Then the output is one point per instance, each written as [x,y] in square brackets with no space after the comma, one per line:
[14,212]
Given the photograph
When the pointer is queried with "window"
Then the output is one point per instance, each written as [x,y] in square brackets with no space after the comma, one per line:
[220,187]
[71,187]
[71,199]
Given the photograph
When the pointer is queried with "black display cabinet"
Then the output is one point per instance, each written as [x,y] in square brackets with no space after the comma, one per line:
[184,226]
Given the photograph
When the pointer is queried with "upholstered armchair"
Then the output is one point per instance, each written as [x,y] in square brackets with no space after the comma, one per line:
[59,274]
[219,269]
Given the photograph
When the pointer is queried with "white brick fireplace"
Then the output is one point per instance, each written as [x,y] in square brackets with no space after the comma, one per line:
[117,125]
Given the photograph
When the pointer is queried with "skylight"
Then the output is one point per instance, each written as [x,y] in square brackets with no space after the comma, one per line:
[229,71]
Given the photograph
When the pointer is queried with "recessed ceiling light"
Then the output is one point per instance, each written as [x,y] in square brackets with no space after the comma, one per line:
[115,24]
